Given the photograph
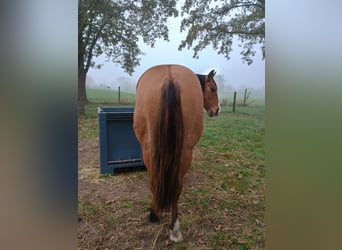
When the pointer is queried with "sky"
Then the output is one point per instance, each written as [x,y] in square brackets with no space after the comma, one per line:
[235,72]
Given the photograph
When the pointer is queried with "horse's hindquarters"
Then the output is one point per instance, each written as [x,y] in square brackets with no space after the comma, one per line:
[168,122]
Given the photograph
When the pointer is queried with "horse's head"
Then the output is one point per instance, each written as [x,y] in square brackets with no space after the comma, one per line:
[210,98]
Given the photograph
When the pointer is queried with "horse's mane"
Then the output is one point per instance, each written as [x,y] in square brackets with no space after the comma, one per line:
[202,80]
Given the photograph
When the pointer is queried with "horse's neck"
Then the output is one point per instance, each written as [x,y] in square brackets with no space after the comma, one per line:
[202,81]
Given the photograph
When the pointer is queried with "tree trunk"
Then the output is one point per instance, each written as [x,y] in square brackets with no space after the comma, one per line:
[82,96]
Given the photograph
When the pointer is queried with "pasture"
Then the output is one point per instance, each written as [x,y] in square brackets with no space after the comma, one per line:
[222,204]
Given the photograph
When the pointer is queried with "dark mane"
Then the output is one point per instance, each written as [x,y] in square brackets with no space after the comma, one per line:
[202,80]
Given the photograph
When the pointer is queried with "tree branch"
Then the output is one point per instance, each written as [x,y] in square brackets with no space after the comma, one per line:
[91,48]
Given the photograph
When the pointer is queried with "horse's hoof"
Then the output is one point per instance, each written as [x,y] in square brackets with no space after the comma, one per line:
[175,233]
[152,217]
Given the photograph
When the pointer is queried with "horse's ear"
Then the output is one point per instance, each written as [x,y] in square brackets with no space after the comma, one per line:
[212,74]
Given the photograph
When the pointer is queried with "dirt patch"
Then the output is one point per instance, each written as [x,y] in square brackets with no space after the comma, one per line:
[125,183]
[113,210]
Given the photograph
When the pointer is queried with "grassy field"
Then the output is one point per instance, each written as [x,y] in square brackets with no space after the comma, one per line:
[222,204]
[112,96]
[226,99]
[109,96]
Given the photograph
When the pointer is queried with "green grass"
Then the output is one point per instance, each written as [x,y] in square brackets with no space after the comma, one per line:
[233,158]
[110,96]
[86,208]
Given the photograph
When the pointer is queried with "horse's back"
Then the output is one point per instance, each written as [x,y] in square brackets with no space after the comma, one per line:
[148,95]
[154,78]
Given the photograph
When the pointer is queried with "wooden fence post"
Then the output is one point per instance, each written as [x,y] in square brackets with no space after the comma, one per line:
[234,102]
[119,94]
[245,98]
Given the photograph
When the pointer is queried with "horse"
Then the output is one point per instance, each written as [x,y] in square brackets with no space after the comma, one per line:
[168,122]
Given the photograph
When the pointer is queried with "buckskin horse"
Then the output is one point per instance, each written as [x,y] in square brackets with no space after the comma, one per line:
[168,122]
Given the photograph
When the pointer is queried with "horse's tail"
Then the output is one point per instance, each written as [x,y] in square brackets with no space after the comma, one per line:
[168,143]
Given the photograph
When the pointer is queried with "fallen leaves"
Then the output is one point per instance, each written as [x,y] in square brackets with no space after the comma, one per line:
[218,227]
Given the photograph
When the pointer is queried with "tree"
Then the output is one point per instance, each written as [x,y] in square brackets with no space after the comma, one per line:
[219,22]
[113,28]
[219,79]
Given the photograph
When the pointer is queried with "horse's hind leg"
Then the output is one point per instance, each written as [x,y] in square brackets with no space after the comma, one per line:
[175,233]
[154,213]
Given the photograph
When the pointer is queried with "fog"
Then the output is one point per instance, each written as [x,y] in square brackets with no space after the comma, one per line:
[235,75]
